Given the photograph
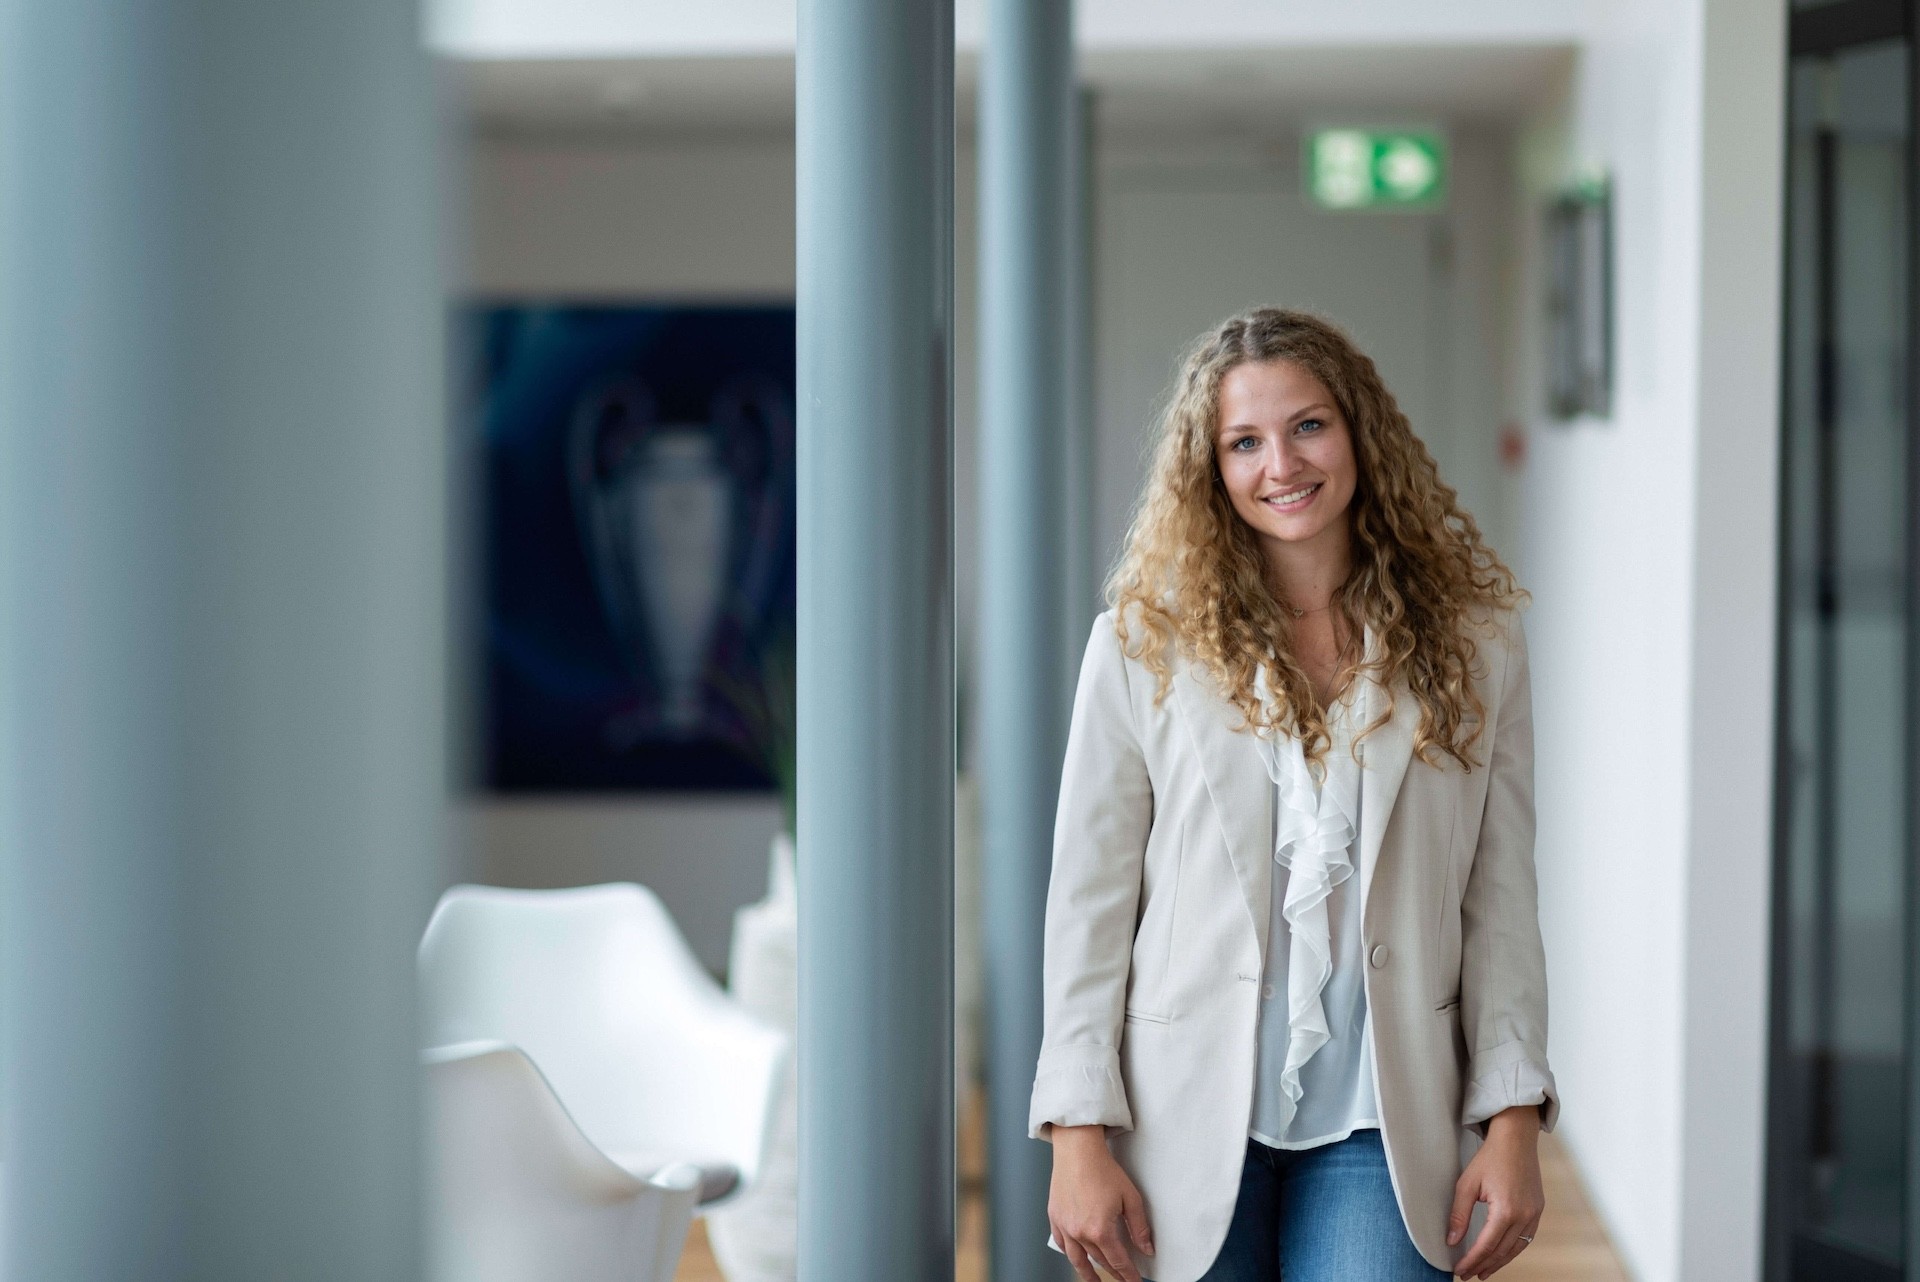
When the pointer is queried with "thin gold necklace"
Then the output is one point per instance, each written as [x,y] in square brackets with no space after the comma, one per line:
[1301,612]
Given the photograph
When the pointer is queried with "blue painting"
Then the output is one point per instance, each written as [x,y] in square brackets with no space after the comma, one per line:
[638,576]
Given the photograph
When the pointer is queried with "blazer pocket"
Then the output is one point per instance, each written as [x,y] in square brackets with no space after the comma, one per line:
[1137,1016]
[1452,1003]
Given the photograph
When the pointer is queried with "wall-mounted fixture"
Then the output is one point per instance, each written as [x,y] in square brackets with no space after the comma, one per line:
[1580,301]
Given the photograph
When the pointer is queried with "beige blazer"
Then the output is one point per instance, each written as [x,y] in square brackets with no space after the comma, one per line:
[1157,921]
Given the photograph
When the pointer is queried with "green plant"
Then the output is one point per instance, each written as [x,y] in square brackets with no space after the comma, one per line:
[766,704]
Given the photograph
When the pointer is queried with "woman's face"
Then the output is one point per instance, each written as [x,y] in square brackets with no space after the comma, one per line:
[1285,453]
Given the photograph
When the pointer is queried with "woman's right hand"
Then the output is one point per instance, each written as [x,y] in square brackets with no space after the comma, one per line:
[1093,1207]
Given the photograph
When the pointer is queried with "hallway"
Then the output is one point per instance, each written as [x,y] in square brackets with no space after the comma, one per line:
[452,442]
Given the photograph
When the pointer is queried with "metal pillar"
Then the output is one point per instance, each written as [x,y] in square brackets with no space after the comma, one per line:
[1081,578]
[875,254]
[224,634]
[1027,158]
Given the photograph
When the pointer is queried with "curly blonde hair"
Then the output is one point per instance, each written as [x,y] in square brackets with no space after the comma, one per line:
[1194,578]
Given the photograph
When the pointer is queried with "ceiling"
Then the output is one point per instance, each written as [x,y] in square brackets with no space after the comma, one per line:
[1143,95]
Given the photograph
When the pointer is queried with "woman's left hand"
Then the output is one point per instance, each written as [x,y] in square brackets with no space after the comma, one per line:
[1505,1174]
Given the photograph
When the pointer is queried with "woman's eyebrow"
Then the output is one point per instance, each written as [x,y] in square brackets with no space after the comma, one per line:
[1320,406]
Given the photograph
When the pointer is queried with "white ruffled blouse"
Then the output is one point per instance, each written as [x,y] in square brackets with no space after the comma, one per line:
[1314,1084]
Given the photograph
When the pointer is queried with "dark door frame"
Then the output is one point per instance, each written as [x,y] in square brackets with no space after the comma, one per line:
[1828,29]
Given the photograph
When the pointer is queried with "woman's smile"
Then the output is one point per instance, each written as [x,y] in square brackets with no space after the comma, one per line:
[1294,499]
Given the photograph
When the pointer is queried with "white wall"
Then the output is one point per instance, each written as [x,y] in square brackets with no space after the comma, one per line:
[1647,540]
[707,219]
[1741,170]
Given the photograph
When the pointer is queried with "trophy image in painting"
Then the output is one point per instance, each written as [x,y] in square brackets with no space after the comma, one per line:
[680,523]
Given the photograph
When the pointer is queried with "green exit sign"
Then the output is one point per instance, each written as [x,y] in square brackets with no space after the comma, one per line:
[1368,168]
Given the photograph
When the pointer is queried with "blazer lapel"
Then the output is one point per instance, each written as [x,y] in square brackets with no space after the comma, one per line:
[1237,783]
[1243,795]
[1384,756]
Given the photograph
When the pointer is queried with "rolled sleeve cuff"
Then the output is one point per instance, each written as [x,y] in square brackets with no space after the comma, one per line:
[1078,1086]
[1506,1076]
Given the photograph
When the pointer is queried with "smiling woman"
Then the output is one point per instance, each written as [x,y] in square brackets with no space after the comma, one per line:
[1293,966]
[1285,455]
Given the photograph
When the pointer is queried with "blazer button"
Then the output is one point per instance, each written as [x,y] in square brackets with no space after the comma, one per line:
[1378,956]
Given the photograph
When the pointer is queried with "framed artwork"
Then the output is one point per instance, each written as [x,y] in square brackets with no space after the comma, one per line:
[637,583]
[1580,301]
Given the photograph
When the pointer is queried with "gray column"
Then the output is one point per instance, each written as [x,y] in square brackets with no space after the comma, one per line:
[1026,162]
[1082,572]
[224,568]
[875,841]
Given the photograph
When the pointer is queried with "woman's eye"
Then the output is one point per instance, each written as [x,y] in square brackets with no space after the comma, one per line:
[1309,425]
[1246,440]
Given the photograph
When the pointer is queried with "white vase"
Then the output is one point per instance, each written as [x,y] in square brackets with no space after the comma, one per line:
[756,1237]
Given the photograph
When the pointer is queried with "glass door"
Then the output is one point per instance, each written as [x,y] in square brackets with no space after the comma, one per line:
[1839,1189]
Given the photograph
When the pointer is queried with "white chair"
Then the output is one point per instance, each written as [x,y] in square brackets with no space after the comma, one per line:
[520,1195]
[650,1063]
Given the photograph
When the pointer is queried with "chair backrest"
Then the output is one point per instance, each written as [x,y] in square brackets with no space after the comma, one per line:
[596,984]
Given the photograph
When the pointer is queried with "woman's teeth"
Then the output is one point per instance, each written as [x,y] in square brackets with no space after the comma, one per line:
[1293,496]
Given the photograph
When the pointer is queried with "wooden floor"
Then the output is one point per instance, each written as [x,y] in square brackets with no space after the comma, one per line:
[696,1262]
[1570,1247]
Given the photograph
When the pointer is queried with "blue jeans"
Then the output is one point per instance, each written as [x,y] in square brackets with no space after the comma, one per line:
[1322,1214]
